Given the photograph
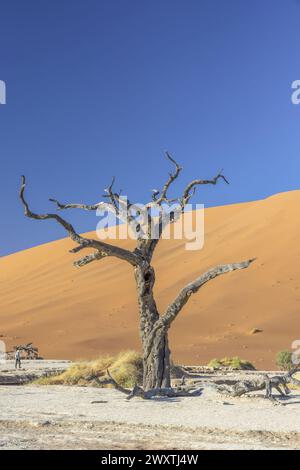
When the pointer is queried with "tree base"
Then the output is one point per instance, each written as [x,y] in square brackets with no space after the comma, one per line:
[240,388]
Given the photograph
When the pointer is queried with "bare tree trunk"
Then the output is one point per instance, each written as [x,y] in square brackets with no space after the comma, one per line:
[156,353]
[157,364]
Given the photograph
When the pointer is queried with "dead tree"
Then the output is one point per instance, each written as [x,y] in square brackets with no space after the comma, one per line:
[262,383]
[30,352]
[153,325]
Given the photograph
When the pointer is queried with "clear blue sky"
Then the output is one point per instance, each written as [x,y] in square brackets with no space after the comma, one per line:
[97,88]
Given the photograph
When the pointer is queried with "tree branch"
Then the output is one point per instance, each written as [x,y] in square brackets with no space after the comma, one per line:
[193,287]
[113,207]
[104,249]
[108,380]
[172,177]
[138,391]
[87,207]
[89,258]
[262,382]
[163,323]
[110,194]
[123,209]
[187,194]
[164,392]
[189,191]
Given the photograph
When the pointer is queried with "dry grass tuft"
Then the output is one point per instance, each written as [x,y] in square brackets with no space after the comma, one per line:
[234,363]
[126,368]
[294,386]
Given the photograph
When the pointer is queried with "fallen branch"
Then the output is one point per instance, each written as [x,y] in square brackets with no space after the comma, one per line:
[263,382]
[109,380]
[138,391]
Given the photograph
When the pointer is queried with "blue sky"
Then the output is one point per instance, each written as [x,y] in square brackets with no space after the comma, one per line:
[97,88]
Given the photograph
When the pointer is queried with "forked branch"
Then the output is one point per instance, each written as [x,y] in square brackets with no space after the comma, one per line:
[164,218]
[191,187]
[103,249]
[172,177]
[164,322]
[130,213]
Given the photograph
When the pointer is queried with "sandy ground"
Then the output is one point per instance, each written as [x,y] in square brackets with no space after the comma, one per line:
[34,365]
[61,417]
[30,370]
[81,313]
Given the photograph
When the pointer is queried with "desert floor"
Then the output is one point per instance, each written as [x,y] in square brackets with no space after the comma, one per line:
[61,417]
[64,417]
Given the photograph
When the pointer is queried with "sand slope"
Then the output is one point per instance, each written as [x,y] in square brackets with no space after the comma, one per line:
[78,313]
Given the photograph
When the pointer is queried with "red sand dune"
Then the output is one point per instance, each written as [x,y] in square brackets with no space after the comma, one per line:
[80,313]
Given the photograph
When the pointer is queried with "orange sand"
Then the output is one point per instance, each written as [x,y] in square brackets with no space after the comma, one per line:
[76,313]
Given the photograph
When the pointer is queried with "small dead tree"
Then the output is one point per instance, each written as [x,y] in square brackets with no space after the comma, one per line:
[262,382]
[153,325]
[30,352]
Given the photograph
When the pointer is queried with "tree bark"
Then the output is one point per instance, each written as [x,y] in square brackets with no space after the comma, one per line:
[156,353]
[157,364]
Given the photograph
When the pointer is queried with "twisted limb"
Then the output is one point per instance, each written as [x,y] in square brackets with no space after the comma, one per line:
[138,391]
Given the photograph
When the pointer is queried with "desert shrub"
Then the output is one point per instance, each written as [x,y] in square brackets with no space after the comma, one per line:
[284,360]
[232,363]
[126,368]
